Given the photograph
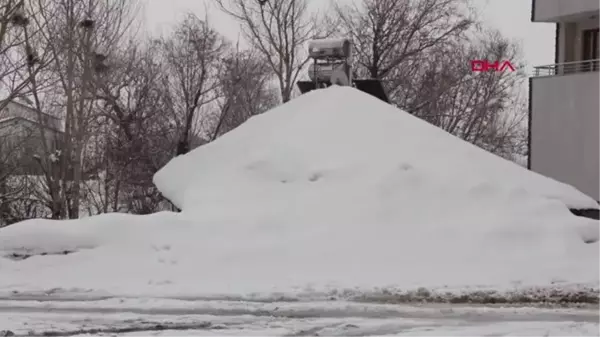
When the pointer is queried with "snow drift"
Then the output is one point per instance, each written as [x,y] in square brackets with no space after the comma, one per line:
[334,190]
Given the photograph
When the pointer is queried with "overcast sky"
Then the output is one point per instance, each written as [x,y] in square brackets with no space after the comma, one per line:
[511,17]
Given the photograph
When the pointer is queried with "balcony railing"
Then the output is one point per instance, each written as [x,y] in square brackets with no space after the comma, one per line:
[567,68]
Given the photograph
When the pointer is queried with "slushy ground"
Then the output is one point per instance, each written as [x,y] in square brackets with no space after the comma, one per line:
[163,317]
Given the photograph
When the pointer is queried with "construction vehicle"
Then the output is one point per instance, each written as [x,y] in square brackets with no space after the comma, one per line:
[332,66]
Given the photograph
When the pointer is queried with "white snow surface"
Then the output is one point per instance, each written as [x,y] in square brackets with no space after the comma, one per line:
[334,190]
[215,318]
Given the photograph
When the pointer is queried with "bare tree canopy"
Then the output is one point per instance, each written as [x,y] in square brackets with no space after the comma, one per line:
[244,89]
[20,61]
[484,108]
[106,108]
[191,55]
[387,33]
[422,51]
[73,37]
[279,30]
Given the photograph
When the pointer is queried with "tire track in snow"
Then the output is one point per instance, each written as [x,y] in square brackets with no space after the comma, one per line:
[317,327]
[122,330]
[75,324]
[333,329]
[318,310]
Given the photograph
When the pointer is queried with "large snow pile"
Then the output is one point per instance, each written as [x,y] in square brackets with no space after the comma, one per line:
[334,190]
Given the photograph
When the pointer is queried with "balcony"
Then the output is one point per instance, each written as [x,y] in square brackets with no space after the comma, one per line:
[563,10]
[567,68]
[564,120]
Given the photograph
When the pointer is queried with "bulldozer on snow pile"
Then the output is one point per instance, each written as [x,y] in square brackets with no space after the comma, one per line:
[331,66]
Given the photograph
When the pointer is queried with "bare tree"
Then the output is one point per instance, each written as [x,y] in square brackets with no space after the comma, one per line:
[13,184]
[244,89]
[14,79]
[191,57]
[279,30]
[388,33]
[484,108]
[78,35]
[135,135]
[18,187]
[422,51]
[19,61]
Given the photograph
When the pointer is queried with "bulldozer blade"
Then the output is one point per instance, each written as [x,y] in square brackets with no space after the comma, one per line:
[371,87]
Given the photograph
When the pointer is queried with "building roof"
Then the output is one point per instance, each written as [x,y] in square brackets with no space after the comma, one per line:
[30,108]
[4,121]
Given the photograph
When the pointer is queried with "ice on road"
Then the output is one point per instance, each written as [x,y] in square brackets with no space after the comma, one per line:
[161,317]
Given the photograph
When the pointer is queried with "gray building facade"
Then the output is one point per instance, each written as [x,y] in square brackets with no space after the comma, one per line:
[564,109]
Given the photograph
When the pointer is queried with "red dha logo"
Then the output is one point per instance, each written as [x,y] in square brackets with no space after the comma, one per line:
[484,65]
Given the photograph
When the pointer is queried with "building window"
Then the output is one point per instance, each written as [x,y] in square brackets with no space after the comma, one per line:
[591,48]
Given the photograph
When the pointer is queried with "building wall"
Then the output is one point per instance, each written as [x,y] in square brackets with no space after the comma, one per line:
[570,39]
[565,130]
[20,141]
[14,109]
[563,10]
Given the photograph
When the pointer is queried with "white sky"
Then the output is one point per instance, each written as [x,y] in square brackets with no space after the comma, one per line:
[511,17]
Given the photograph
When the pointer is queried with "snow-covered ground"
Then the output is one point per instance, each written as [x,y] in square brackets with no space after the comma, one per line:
[332,196]
[147,317]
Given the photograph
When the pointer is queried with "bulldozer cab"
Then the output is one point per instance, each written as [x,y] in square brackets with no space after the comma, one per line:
[331,66]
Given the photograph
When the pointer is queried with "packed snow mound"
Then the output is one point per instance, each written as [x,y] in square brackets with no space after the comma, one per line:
[342,143]
[42,236]
[333,190]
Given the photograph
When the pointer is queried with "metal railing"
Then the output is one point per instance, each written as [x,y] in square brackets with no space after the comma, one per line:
[567,68]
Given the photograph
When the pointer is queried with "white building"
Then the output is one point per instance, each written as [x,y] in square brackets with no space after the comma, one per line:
[564,107]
